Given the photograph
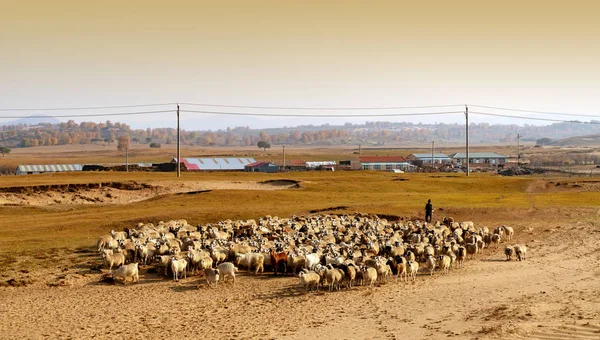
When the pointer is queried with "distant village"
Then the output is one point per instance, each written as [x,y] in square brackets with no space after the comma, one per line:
[418,162]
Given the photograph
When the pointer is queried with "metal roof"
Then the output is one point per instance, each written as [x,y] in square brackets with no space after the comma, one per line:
[476,155]
[428,156]
[381,159]
[317,164]
[50,168]
[216,163]
[260,164]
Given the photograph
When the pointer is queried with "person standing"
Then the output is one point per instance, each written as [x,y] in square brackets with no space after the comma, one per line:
[428,211]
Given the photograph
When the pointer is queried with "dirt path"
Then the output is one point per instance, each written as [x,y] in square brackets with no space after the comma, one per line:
[555,294]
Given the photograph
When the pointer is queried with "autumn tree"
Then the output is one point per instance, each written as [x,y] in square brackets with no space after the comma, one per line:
[263,145]
[123,143]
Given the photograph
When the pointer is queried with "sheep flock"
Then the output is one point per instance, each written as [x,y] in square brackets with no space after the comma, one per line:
[323,251]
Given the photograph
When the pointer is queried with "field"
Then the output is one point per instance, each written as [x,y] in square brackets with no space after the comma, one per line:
[50,224]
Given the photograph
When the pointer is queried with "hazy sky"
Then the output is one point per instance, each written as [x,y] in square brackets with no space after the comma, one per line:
[540,55]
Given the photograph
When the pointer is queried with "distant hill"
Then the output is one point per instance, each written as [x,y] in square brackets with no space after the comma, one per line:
[589,140]
[32,121]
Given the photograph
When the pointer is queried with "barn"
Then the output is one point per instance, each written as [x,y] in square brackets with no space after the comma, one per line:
[215,164]
[420,159]
[261,167]
[385,163]
[488,158]
[45,168]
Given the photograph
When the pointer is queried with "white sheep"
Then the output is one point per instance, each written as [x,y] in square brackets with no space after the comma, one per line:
[125,272]
[430,264]
[178,267]
[115,259]
[520,251]
[251,260]
[509,231]
[369,275]
[309,279]
[227,269]
[413,269]
[443,263]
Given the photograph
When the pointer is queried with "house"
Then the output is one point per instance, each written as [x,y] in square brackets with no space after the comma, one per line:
[39,169]
[484,158]
[215,164]
[385,163]
[425,159]
[261,167]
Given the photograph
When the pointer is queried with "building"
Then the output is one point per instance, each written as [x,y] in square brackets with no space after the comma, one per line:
[425,159]
[261,167]
[40,169]
[385,163]
[294,165]
[320,165]
[483,158]
[215,164]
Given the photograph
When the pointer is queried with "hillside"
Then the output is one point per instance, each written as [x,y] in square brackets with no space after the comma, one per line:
[587,141]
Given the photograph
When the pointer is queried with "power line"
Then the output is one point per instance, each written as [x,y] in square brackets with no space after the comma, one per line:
[321,108]
[90,115]
[532,118]
[86,108]
[533,111]
[323,115]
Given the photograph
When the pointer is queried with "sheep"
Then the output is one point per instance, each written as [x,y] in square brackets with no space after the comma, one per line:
[430,264]
[219,254]
[413,269]
[496,238]
[334,277]
[461,255]
[509,231]
[145,252]
[164,261]
[369,274]
[508,251]
[227,269]
[349,273]
[251,260]
[312,260]
[178,267]
[118,235]
[111,260]
[295,261]
[103,242]
[309,279]
[472,249]
[401,268]
[125,272]
[443,263]
[212,275]
[520,251]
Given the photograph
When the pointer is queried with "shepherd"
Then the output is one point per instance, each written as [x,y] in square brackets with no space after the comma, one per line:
[428,211]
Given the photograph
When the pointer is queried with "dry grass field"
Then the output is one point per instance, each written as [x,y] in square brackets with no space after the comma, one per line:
[50,223]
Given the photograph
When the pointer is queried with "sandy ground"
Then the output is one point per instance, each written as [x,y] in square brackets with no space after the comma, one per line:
[554,294]
[111,195]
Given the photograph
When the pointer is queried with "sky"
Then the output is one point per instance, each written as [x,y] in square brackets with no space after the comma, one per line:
[536,55]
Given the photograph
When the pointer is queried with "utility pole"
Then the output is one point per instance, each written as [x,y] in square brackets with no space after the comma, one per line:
[178,146]
[358,150]
[467,127]
[518,150]
[432,151]
[284,158]
[126,159]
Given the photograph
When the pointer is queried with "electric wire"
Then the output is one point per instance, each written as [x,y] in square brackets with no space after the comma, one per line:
[321,108]
[322,115]
[534,118]
[533,111]
[85,108]
[90,115]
